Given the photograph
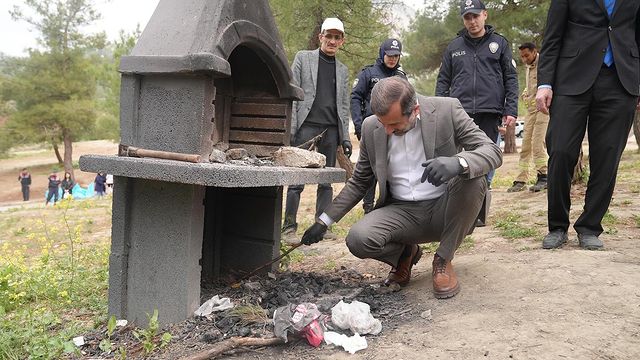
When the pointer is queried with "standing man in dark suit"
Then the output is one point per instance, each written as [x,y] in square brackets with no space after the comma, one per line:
[430,162]
[588,78]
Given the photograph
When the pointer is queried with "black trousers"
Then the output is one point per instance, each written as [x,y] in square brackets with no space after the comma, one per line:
[606,110]
[25,192]
[324,195]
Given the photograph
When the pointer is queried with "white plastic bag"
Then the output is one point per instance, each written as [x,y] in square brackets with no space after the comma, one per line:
[349,343]
[356,317]
[216,303]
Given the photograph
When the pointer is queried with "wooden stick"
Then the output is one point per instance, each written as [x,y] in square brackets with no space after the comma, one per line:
[124,150]
[230,344]
[312,143]
[344,163]
[270,262]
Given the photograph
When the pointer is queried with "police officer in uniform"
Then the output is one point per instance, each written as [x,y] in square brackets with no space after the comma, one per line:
[387,64]
[478,69]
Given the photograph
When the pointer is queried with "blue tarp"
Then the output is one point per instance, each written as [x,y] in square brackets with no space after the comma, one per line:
[77,192]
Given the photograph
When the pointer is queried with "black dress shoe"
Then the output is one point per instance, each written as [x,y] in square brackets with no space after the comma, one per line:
[590,242]
[554,239]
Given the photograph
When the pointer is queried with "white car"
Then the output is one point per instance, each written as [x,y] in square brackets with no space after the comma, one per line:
[519,128]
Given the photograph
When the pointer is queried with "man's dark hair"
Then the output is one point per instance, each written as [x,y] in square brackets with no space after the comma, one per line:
[528,45]
[388,91]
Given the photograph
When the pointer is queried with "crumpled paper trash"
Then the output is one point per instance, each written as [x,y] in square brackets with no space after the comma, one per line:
[351,344]
[214,304]
[356,317]
[296,319]
[78,341]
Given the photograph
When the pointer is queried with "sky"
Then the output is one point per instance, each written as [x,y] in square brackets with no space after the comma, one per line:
[17,36]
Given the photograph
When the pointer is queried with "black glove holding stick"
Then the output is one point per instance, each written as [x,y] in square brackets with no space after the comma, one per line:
[441,169]
[347,148]
[315,233]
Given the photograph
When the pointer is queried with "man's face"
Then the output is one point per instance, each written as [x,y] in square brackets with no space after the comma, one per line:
[395,122]
[474,23]
[528,56]
[330,41]
[391,61]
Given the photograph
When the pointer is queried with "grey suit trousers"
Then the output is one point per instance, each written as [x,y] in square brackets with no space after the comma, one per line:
[383,233]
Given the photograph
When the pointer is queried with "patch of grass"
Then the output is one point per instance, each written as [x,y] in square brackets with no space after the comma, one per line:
[636,219]
[330,265]
[631,166]
[511,227]
[467,243]
[635,188]
[430,247]
[501,181]
[53,282]
[609,219]
[626,202]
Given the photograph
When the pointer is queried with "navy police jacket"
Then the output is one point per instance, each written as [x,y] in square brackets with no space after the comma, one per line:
[362,86]
[481,75]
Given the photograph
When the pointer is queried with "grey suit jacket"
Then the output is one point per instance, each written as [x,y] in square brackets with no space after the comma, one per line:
[446,131]
[305,74]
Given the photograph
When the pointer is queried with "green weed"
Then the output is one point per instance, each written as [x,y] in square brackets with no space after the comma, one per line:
[148,336]
[510,227]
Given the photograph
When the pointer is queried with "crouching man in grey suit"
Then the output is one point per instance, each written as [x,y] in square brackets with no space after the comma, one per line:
[430,188]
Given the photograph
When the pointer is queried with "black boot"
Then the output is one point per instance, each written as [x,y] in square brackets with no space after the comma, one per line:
[541,184]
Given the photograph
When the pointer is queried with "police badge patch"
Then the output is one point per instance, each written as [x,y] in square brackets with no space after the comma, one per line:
[493,47]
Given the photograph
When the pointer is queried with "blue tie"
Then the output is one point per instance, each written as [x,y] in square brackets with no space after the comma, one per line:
[608,56]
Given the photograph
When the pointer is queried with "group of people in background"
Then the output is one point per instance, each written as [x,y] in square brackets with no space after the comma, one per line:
[59,188]
[433,159]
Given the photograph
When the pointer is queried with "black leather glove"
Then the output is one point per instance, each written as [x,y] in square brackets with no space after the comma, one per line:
[441,169]
[314,234]
[347,148]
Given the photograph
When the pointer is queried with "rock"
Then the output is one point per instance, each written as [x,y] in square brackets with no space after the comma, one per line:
[426,315]
[294,157]
[253,286]
[217,156]
[237,154]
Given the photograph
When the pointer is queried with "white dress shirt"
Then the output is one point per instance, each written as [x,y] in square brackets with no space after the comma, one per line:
[404,167]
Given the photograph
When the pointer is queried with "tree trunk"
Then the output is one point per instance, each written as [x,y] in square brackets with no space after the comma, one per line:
[314,41]
[57,151]
[68,153]
[636,129]
[510,140]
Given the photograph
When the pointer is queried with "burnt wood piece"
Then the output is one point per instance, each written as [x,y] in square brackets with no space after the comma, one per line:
[125,150]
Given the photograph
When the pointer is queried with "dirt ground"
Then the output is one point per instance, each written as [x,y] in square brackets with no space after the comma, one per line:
[40,162]
[517,300]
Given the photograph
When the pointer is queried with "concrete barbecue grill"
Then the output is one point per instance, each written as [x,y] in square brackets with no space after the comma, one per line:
[204,75]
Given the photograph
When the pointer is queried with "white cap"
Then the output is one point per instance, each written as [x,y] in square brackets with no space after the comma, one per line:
[332,24]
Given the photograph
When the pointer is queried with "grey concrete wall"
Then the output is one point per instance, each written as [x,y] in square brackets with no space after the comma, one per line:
[157,242]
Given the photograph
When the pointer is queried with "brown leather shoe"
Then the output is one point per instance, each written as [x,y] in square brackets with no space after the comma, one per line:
[402,273]
[445,283]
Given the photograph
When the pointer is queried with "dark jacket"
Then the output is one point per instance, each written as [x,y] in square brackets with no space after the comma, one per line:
[483,76]
[575,41]
[67,184]
[100,183]
[361,93]
[53,182]
[25,179]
